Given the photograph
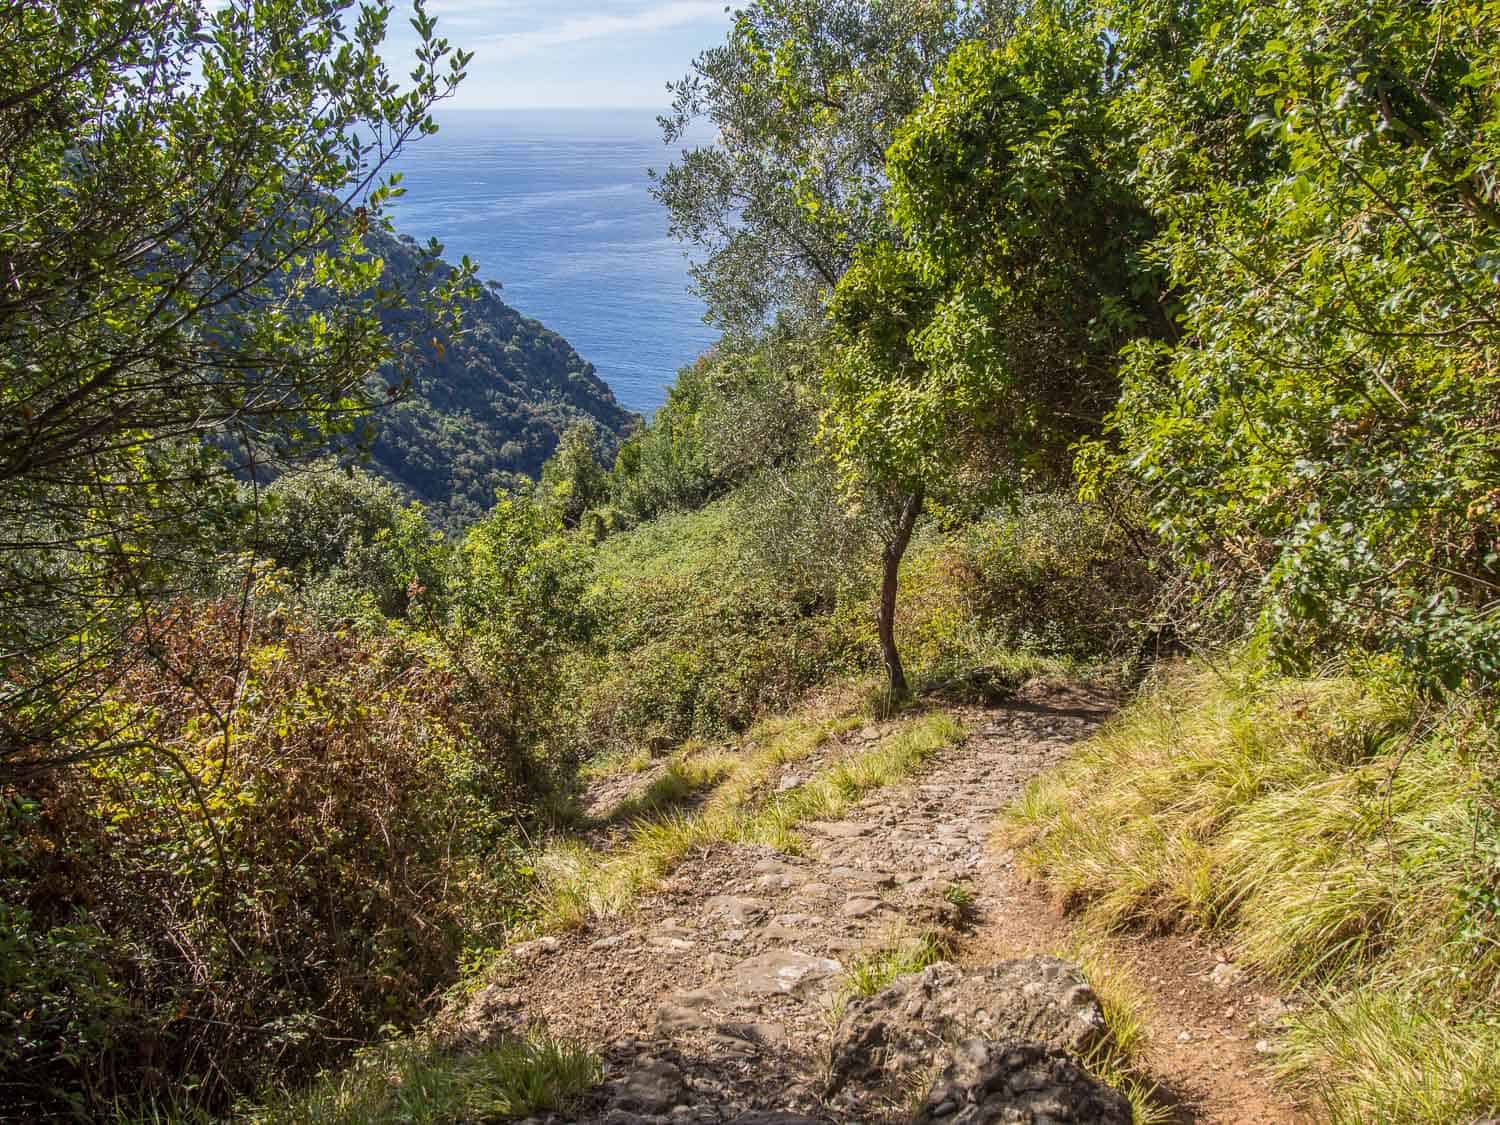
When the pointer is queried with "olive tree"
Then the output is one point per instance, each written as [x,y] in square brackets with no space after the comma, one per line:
[971,353]
[804,96]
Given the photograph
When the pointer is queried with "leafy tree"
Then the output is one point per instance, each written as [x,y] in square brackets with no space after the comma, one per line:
[184,278]
[970,354]
[573,480]
[516,594]
[665,464]
[354,534]
[748,406]
[805,96]
[1325,427]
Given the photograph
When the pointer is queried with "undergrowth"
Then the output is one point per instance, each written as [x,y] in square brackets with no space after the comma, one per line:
[704,626]
[414,1082]
[1338,834]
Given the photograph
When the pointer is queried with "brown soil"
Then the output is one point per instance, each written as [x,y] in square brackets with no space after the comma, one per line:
[1204,1032]
[715,994]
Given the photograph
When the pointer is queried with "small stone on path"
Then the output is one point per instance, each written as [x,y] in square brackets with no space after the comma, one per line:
[783,971]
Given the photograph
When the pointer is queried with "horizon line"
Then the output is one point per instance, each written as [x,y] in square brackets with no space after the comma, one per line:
[615,108]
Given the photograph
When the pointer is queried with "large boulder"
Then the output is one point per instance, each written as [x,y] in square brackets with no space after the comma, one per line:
[882,1037]
[1017,1083]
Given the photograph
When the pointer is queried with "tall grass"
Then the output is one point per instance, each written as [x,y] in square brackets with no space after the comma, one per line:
[1119,1058]
[414,1082]
[1327,830]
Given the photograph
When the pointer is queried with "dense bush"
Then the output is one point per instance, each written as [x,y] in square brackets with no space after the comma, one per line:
[280,866]
[350,540]
[573,480]
[1049,577]
[742,409]
[516,610]
[1325,423]
[693,637]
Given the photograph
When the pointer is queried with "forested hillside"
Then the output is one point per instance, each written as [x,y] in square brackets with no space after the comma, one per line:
[1075,356]
[486,405]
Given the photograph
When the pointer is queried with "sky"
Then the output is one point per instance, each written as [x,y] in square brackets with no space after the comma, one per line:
[567,53]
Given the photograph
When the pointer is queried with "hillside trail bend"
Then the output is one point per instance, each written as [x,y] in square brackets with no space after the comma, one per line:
[714,997]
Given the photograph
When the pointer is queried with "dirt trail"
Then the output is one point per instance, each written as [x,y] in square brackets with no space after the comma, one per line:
[712,998]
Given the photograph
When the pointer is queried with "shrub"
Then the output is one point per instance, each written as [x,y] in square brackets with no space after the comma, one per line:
[516,610]
[280,866]
[573,481]
[1323,423]
[743,408]
[350,540]
[1051,578]
[696,638]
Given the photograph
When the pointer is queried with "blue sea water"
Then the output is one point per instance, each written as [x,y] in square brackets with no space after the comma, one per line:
[555,206]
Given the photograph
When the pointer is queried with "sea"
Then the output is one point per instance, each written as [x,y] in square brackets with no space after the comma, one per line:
[555,206]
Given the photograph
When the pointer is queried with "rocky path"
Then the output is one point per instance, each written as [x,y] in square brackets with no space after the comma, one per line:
[717,997]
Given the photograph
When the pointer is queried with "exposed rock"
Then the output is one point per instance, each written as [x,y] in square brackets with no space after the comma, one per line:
[768,865]
[671,941]
[530,950]
[860,875]
[782,971]
[794,920]
[1017,1083]
[757,1034]
[775,881]
[651,1086]
[898,1029]
[775,931]
[677,1017]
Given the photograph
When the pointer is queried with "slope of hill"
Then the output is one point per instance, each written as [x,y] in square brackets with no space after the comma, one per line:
[488,405]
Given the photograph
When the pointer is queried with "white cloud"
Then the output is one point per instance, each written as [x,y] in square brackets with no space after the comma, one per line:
[581,29]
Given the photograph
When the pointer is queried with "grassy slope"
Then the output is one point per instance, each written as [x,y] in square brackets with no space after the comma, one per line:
[700,639]
[697,642]
[1324,829]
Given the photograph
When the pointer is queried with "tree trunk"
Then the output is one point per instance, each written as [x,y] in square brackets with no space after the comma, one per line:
[885,616]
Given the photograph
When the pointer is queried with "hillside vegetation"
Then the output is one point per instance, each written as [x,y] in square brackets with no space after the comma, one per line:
[1332,832]
[1148,342]
[486,405]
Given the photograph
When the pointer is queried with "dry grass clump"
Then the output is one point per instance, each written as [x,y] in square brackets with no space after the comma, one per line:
[1339,834]
[1118,1060]
[872,970]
